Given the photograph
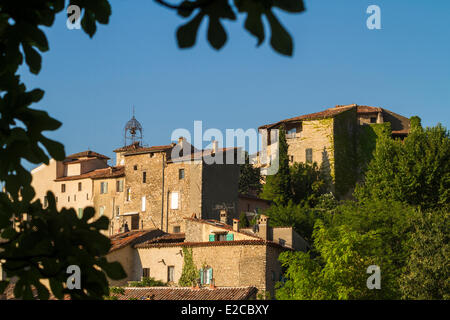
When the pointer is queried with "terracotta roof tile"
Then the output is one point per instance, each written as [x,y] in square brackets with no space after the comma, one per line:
[86,154]
[149,149]
[124,239]
[257,242]
[104,173]
[181,293]
[133,146]
[329,113]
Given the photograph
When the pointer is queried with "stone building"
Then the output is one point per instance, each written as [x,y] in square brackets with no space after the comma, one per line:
[82,180]
[165,184]
[224,255]
[340,140]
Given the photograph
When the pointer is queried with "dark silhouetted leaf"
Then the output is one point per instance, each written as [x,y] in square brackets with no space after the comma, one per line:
[187,33]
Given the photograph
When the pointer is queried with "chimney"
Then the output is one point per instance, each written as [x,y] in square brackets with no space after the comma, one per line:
[223,216]
[263,225]
[215,146]
[236,225]
[180,141]
[380,117]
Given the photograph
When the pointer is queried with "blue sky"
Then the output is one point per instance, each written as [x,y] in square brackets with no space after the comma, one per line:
[92,84]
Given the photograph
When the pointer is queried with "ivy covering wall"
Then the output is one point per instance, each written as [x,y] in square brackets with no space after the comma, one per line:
[189,274]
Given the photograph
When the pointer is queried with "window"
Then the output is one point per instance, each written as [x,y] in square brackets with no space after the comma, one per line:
[79,186]
[144,177]
[309,155]
[68,199]
[87,196]
[291,158]
[274,277]
[75,197]
[145,272]
[119,186]
[80,213]
[176,229]
[128,194]
[103,187]
[170,272]
[117,211]
[291,133]
[373,120]
[206,275]
[143,203]
[222,237]
[102,210]
[135,167]
[181,174]
[63,188]
[174,200]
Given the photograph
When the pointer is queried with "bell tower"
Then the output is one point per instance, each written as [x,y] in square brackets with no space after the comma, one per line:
[133,132]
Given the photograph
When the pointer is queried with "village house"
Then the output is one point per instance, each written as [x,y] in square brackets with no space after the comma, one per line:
[82,180]
[223,255]
[339,140]
[149,187]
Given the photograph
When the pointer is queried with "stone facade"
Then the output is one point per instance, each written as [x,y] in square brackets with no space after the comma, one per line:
[162,190]
[232,257]
[330,139]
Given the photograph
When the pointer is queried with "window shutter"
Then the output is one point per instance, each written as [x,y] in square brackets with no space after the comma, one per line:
[201,276]
[230,236]
[212,237]
[210,274]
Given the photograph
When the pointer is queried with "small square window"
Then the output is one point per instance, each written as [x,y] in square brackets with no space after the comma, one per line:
[145,272]
[373,120]
[309,155]
[176,229]
[135,167]
[181,174]
[170,273]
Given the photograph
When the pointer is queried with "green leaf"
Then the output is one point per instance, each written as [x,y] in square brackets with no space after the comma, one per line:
[216,33]
[280,39]
[254,25]
[187,33]
[88,23]
[290,5]
[32,58]
[114,270]
[185,9]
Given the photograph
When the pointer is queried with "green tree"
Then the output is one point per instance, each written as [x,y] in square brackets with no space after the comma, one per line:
[189,274]
[306,183]
[346,242]
[278,187]
[147,282]
[243,221]
[415,171]
[249,178]
[339,272]
[427,274]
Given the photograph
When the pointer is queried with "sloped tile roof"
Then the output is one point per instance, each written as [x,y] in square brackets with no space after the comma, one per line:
[149,149]
[329,113]
[104,173]
[179,293]
[86,154]
[132,237]
[257,242]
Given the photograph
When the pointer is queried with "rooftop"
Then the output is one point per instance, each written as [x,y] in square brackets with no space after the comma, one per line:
[182,293]
[133,237]
[104,173]
[85,154]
